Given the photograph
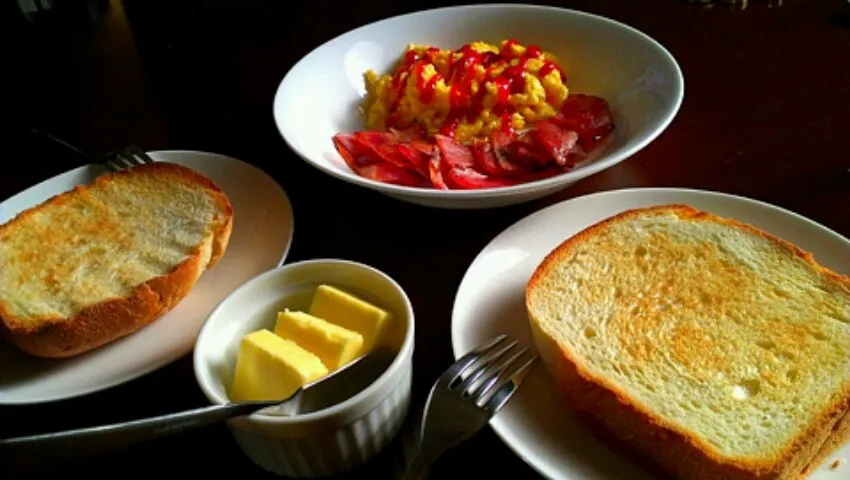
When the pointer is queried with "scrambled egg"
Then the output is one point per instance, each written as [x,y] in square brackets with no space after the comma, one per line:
[441,90]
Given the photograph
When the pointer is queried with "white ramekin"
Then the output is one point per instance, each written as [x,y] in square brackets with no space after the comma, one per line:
[332,440]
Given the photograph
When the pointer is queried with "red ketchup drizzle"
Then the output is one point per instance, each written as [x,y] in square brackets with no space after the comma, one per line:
[507,51]
[505,125]
[549,67]
[425,87]
[462,76]
[503,90]
[489,58]
[430,52]
[450,126]
[410,58]
[516,76]
[533,51]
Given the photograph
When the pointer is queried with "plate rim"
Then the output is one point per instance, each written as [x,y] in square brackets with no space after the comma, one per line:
[503,430]
[166,360]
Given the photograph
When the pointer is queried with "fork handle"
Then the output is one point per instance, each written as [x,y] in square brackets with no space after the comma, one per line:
[94,440]
[58,141]
[418,467]
[427,452]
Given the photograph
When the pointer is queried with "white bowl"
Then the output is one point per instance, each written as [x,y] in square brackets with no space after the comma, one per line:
[332,440]
[637,76]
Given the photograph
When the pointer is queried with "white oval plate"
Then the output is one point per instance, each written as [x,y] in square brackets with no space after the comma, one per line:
[262,234]
[491,300]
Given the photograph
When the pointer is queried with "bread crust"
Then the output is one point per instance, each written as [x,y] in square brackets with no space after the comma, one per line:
[614,414]
[106,321]
[840,435]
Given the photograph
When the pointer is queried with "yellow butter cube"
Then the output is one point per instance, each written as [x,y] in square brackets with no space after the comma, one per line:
[353,313]
[335,345]
[269,367]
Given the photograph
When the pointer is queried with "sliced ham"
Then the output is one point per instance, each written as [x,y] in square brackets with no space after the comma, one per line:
[388,173]
[485,159]
[559,143]
[500,141]
[587,115]
[469,179]
[353,152]
[525,151]
[509,167]
[454,153]
[436,172]
[408,134]
[552,147]
[372,155]
[385,146]
[459,163]
[416,157]
[423,146]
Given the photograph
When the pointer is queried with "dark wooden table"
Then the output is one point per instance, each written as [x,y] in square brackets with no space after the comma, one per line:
[765,115]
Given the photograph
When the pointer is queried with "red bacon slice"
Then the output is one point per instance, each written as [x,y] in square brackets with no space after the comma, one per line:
[579,154]
[370,160]
[416,157]
[458,167]
[528,153]
[469,179]
[559,143]
[386,148]
[485,160]
[408,134]
[454,153]
[423,146]
[406,157]
[509,168]
[500,141]
[353,152]
[388,173]
[436,172]
[587,115]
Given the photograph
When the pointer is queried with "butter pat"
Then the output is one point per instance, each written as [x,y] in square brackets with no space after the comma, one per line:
[348,311]
[334,345]
[269,367]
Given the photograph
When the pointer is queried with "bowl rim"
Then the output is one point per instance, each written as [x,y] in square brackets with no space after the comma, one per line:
[200,361]
[528,187]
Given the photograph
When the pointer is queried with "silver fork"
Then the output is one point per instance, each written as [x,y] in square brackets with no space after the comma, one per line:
[127,157]
[466,397]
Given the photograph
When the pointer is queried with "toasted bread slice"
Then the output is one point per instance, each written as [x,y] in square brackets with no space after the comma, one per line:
[714,349]
[103,260]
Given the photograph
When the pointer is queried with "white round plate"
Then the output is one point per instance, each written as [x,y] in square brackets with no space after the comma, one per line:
[638,77]
[262,234]
[491,300]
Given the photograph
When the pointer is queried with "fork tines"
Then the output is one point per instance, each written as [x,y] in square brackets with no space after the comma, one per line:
[466,396]
[127,158]
[491,373]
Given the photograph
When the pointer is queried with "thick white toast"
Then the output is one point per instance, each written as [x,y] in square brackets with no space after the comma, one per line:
[712,348]
[103,260]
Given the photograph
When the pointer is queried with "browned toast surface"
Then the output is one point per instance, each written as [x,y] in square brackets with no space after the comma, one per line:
[715,349]
[103,260]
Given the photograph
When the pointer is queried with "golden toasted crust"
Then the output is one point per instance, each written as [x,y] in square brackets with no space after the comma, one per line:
[840,435]
[614,414]
[100,323]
